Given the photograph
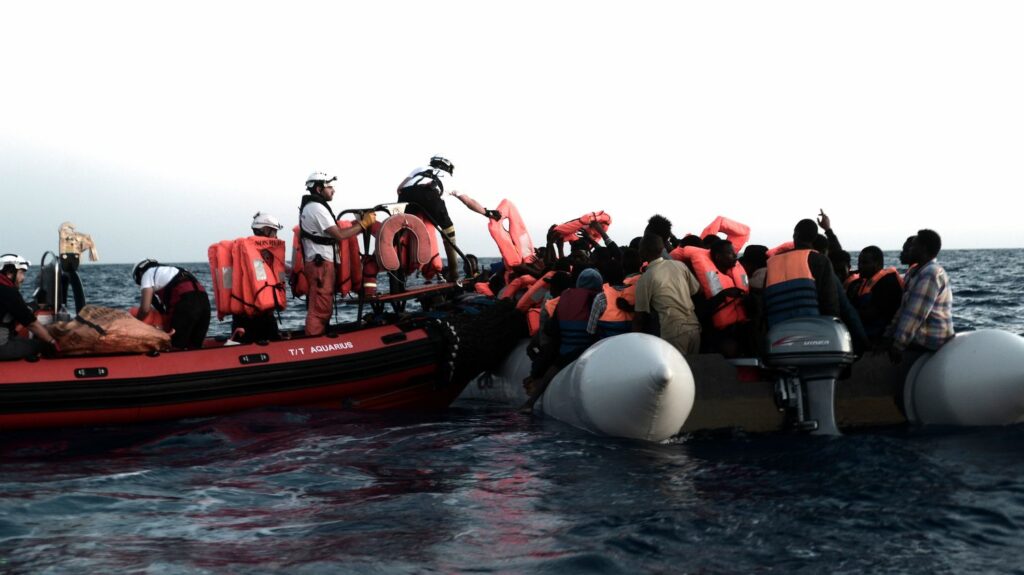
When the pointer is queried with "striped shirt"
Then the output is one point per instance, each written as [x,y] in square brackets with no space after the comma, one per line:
[925,317]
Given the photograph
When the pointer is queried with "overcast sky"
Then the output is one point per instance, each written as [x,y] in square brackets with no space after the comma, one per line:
[160,128]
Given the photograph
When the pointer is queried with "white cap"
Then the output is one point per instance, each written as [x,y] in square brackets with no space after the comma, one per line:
[264,220]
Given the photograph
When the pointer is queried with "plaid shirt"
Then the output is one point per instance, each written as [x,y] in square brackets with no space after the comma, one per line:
[925,317]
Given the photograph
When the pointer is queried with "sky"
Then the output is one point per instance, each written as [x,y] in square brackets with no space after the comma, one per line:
[161,128]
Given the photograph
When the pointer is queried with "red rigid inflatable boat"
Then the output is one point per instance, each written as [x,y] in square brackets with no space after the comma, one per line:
[417,362]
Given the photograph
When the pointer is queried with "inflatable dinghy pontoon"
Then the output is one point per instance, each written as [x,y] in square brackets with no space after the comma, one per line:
[633,385]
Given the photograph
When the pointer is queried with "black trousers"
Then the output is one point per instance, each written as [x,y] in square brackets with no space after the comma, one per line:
[190,320]
[19,348]
[261,327]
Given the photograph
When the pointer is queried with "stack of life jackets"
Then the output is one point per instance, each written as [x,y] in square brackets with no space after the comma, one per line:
[249,276]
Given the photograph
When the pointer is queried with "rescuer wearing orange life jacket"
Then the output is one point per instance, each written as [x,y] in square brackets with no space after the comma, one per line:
[180,295]
[800,282]
[320,234]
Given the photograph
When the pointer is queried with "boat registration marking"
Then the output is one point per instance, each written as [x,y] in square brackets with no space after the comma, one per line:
[315,349]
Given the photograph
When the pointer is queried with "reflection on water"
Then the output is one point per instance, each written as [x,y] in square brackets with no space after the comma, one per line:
[480,488]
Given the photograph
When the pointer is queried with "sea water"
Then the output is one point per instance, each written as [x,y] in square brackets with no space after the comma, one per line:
[479,488]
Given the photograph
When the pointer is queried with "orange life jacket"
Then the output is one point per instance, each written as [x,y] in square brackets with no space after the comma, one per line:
[854,276]
[549,307]
[712,281]
[866,285]
[483,288]
[348,272]
[517,285]
[154,318]
[735,232]
[615,321]
[514,243]
[533,320]
[535,294]
[789,290]
[222,274]
[568,230]
[781,249]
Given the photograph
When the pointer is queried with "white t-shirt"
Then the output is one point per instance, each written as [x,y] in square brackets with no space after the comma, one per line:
[158,277]
[447,181]
[315,219]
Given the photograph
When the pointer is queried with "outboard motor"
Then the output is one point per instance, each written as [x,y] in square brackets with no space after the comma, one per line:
[809,354]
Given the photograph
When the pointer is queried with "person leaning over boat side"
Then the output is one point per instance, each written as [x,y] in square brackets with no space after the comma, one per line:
[665,291]
[924,321]
[318,228]
[799,282]
[14,310]
[261,326]
[180,295]
[424,189]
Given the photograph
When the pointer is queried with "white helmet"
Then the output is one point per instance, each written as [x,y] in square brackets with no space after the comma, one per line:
[319,177]
[262,220]
[15,260]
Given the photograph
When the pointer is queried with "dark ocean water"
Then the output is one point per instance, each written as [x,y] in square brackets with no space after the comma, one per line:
[478,488]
